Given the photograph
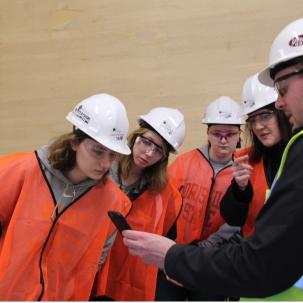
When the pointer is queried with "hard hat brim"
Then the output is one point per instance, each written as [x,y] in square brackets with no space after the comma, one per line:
[265,78]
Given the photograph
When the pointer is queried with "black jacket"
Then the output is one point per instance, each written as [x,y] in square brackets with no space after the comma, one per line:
[235,203]
[264,264]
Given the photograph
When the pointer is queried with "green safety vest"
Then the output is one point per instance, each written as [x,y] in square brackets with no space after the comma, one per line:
[294,293]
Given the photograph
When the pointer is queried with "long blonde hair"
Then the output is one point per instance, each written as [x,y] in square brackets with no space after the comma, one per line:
[156,175]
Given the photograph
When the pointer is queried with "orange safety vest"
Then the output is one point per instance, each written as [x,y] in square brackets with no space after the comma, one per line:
[128,278]
[7,159]
[51,259]
[259,185]
[201,193]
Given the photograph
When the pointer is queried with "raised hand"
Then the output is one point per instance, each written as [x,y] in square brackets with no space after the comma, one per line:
[242,171]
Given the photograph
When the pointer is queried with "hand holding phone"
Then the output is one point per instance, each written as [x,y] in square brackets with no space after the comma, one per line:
[118,219]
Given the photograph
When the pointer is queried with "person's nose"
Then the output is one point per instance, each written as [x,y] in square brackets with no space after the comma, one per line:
[258,124]
[149,152]
[106,162]
[279,103]
[223,139]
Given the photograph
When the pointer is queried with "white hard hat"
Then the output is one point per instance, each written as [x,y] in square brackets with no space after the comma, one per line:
[223,110]
[103,118]
[287,46]
[168,123]
[256,95]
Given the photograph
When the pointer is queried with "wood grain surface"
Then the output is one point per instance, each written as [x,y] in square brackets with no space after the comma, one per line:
[177,53]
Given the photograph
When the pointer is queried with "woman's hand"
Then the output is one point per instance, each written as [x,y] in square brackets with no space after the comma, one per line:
[242,171]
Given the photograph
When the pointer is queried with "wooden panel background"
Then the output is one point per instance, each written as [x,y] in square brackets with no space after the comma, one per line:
[178,53]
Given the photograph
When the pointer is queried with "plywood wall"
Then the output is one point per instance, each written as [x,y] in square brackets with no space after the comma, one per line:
[177,53]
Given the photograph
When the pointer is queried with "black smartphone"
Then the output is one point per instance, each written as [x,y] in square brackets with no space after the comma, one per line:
[118,219]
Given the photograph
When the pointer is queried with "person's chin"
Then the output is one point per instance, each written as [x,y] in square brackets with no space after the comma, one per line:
[267,143]
[224,156]
[225,151]
[98,175]
[265,139]
[141,163]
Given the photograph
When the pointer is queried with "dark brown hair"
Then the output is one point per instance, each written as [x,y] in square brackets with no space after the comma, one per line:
[258,149]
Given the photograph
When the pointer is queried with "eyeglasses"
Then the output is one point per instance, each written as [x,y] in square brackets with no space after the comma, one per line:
[228,136]
[262,117]
[281,85]
[149,145]
[97,151]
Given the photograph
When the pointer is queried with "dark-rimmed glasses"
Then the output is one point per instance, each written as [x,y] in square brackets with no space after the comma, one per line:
[281,85]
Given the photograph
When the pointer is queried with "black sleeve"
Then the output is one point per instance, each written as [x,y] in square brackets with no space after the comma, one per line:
[264,264]
[172,233]
[234,205]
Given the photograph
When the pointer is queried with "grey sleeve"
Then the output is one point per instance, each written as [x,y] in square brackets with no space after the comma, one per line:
[109,242]
[221,236]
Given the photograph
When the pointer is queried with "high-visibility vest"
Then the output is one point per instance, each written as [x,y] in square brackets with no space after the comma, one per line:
[8,159]
[201,193]
[260,186]
[47,258]
[125,277]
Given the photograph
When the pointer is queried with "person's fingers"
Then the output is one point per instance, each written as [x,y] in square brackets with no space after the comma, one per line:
[241,163]
[243,159]
[242,166]
[131,243]
[246,166]
[133,234]
[242,171]
[242,179]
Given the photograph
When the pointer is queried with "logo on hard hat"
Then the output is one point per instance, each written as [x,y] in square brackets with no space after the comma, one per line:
[225,115]
[296,41]
[118,136]
[81,113]
[250,103]
[167,128]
